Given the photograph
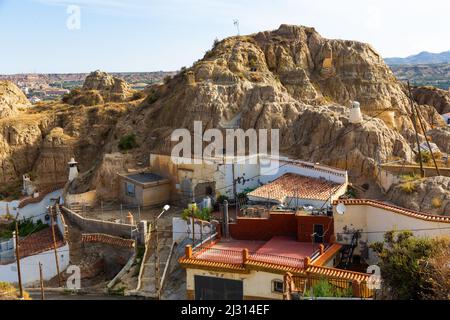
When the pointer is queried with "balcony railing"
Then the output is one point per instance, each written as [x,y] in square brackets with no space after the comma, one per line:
[238,257]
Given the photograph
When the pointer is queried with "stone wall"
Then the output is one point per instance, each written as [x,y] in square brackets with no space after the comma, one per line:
[99,226]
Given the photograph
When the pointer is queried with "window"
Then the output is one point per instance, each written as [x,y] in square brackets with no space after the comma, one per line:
[277,286]
[318,233]
[130,189]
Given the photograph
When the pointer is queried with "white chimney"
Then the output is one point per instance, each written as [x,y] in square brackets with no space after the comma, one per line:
[73,170]
[355,113]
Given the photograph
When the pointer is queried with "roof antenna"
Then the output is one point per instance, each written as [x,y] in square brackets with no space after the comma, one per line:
[236,24]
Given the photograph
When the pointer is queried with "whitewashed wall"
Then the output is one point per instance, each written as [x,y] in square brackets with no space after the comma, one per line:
[375,222]
[29,266]
[182,229]
[38,210]
[13,207]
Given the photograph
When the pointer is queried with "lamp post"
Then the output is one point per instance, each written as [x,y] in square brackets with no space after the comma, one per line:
[155,222]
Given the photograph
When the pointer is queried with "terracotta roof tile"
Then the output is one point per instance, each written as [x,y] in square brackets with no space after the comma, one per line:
[293,185]
[39,242]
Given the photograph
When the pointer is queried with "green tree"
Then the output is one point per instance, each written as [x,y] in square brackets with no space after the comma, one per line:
[402,259]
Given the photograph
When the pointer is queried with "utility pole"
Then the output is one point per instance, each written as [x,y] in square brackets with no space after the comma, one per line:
[19,275]
[42,281]
[236,24]
[424,133]
[55,246]
[413,110]
[193,225]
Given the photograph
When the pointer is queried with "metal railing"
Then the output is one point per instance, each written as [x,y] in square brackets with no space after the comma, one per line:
[278,260]
[339,287]
[237,257]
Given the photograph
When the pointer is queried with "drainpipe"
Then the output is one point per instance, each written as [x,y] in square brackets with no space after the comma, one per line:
[226,219]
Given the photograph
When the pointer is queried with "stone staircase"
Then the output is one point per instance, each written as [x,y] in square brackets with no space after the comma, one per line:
[148,276]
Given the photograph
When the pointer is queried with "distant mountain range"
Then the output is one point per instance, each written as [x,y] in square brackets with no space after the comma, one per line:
[421,58]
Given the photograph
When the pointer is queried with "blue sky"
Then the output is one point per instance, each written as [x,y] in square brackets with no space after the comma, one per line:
[150,35]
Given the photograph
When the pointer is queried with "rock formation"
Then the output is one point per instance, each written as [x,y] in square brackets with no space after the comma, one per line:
[438,98]
[431,195]
[441,136]
[11,99]
[294,80]
[98,88]
[291,79]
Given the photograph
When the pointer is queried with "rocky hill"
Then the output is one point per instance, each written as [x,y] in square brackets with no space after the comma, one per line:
[291,78]
[430,195]
[98,88]
[440,99]
[11,99]
[421,58]
[295,80]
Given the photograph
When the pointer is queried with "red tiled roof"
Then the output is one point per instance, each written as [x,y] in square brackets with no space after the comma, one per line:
[39,242]
[395,209]
[293,185]
[338,273]
[107,239]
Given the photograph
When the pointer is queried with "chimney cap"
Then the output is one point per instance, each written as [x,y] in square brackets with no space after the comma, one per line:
[355,104]
[72,161]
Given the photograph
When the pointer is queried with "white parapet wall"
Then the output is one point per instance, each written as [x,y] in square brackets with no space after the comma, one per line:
[37,211]
[29,266]
[182,229]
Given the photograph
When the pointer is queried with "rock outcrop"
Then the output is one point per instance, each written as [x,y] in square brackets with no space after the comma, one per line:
[438,98]
[290,79]
[441,136]
[429,195]
[98,88]
[294,80]
[11,99]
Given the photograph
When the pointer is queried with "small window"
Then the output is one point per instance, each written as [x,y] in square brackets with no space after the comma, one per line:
[130,189]
[277,286]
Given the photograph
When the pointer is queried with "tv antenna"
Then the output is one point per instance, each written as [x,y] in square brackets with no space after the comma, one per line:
[236,24]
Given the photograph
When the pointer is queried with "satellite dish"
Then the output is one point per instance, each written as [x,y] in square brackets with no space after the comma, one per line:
[341,208]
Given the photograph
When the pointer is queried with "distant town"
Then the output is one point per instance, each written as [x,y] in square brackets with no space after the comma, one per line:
[53,86]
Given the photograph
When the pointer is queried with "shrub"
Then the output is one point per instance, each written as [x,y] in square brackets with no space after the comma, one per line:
[425,155]
[326,290]
[404,261]
[128,142]
[408,187]
[436,202]
[204,214]
[221,199]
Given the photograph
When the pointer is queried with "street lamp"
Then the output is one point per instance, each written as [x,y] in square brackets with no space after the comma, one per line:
[155,223]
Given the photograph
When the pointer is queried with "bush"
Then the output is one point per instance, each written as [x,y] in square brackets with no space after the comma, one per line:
[408,187]
[204,214]
[26,227]
[128,142]
[403,260]
[324,289]
[425,155]
[221,199]
[436,203]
